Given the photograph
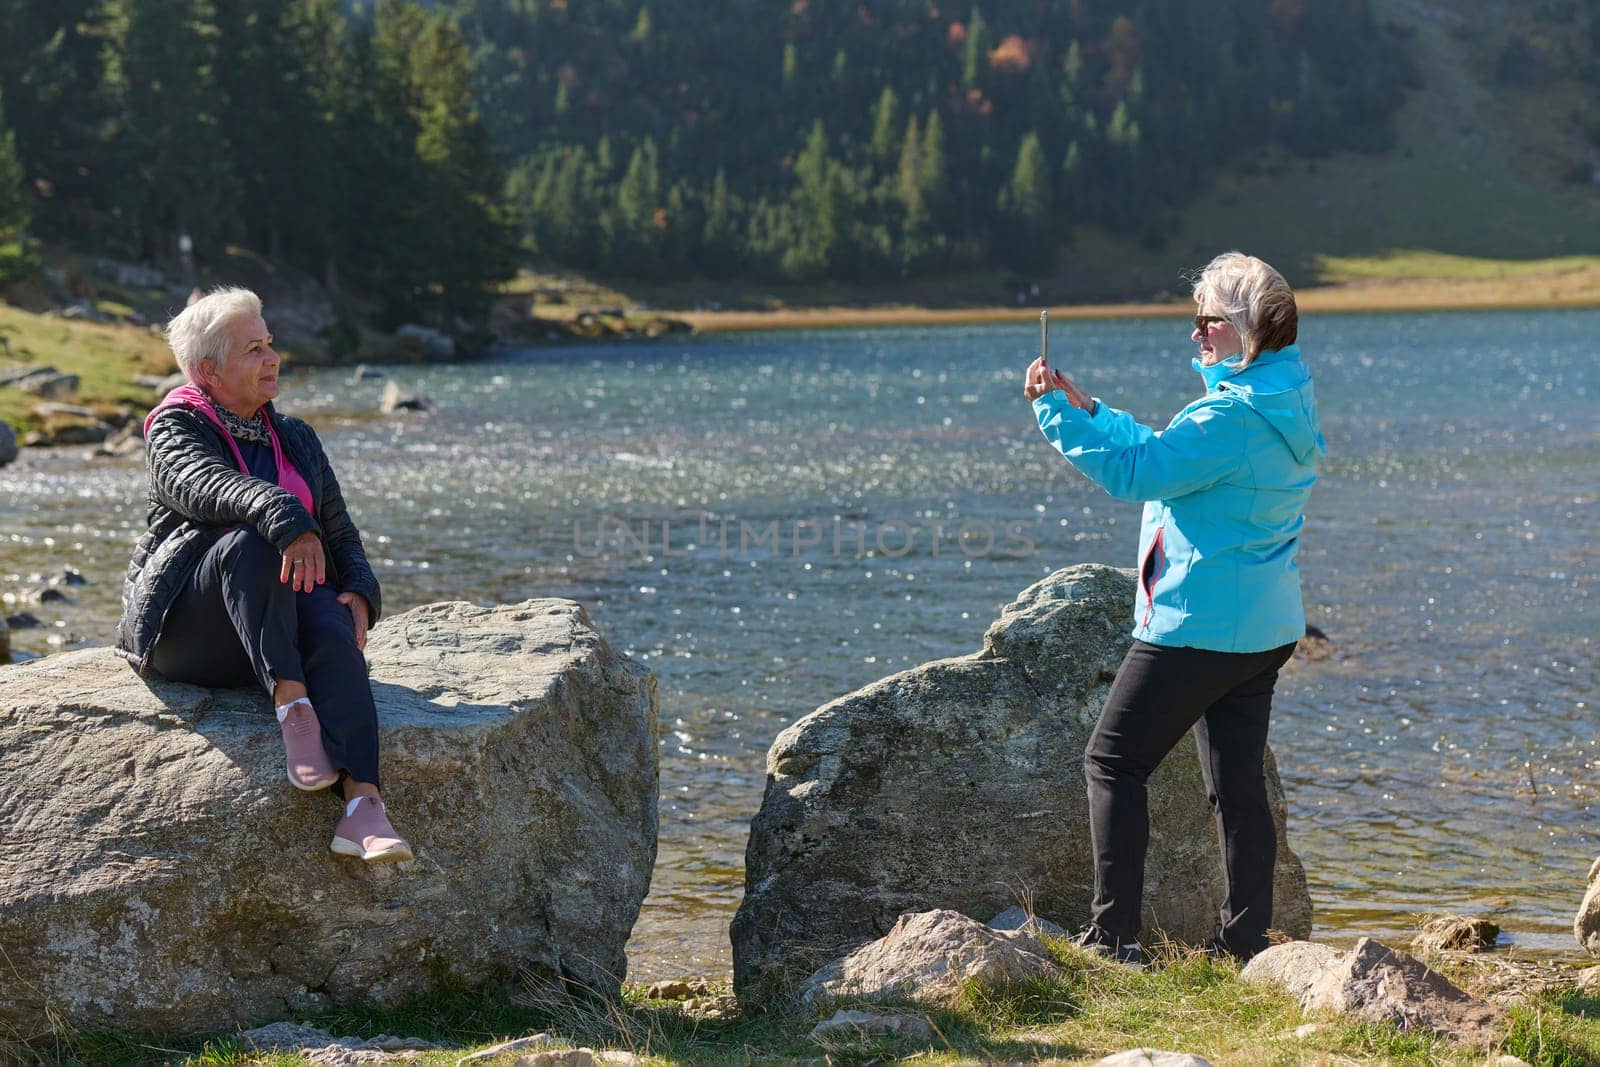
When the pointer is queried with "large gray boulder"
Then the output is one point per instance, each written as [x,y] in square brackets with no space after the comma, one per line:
[157,873]
[8,444]
[959,784]
[1586,925]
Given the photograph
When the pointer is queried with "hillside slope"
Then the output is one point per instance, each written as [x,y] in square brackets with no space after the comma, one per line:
[1479,168]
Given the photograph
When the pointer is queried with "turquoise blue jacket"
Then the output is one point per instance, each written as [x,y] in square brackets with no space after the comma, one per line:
[1226,486]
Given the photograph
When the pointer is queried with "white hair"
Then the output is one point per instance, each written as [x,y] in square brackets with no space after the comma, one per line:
[1254,299]
[198,332]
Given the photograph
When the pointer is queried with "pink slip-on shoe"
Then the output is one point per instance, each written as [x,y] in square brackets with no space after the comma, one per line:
[365,832]
[306,763]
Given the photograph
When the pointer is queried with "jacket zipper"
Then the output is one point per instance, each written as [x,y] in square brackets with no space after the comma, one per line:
[1147,573]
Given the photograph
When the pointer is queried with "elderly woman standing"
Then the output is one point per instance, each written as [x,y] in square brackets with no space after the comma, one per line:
[1218,607]
[251,571]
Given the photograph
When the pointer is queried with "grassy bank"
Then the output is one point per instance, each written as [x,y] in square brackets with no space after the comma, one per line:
[1186,1003]
[104,357]
[1400,281]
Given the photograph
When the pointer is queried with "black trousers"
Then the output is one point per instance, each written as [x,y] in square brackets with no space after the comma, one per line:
[235,624]
[1158,694]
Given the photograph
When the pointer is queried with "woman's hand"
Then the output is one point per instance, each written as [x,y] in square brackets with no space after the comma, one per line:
[361,612]
[1043,379]
[1039,380]
[303,563]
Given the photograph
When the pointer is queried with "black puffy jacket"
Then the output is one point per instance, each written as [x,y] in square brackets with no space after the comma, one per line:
[197,492]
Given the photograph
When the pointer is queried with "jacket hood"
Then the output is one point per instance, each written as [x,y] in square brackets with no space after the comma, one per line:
[1278,387]
[184,396]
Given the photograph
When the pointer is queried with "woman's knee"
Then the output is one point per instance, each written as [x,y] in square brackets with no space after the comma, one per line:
[244,550]
[1102,761]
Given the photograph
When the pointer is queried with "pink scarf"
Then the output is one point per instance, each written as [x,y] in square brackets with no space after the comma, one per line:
[190,397]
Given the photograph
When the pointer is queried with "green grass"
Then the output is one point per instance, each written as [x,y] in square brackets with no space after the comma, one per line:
[105,358]
[1186,1002]
[1402,265]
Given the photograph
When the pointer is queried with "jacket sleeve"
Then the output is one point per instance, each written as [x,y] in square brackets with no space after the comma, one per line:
[1199,450]
[339,533]
[190,475]
[1119,426]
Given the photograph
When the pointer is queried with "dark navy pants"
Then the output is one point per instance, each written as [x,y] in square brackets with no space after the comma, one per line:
[235,624]
[1158,694]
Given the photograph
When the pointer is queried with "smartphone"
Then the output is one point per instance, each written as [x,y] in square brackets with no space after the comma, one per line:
[1044,337]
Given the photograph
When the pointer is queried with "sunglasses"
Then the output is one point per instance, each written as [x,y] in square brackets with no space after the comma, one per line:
[1203,323]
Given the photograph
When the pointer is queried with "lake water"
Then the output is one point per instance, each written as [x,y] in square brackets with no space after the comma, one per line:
[1445,758]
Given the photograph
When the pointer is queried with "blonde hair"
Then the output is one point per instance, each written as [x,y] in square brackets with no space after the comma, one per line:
[1254,299]
[198,332]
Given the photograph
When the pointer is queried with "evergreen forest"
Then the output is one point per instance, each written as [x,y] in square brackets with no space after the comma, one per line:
[413,154]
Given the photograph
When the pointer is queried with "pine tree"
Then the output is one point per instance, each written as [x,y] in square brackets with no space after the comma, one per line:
[791,66]
[975,59]
[14,200]
[634,226]
[819,211]
[52,68]
[909,179]
[885,125]
[1072,64]
[161,72]
[1025,209]
[442,228]
[643,28]
[934,172]
[719,256]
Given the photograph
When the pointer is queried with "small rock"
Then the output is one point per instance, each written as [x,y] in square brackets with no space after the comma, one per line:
[677,988]
[521,1044]
[428,342]
[1456,933]
[85,310]
[88,433]
[285,1037]
[1295,966]
[64,576]
[8,444]
[396,399]
[1315,646]
[127,441]
[25,620]
[49,408]
[391,1043]
[1508,1060]
[724,1007]
[566,1057]
[49,595]
[1308,1030]
[364,373]
[131,275]
[1151,1057]
[1588,981]
[49,383]
[931,954]
[171,382]
[1014,918]
[1375,983]
[855,1025]
[322,1048]
[618,1058]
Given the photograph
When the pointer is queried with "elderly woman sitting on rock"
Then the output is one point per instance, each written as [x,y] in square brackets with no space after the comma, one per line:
[251,571]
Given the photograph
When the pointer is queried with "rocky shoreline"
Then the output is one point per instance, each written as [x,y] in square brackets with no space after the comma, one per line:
[143,888]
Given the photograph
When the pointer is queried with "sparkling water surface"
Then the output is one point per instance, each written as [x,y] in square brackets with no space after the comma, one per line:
[771,520]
